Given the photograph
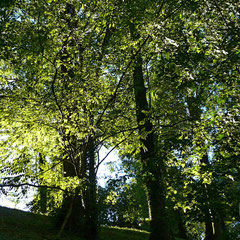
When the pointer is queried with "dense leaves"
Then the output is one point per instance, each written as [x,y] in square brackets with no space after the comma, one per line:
[157,81]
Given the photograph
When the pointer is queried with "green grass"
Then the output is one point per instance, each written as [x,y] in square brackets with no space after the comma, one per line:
[20,225]
[117,233]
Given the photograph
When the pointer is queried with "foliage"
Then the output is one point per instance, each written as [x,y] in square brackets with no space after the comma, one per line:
[67,89]
[123,203]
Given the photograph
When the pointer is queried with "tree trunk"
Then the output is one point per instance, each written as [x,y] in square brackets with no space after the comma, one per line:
[151,164]
[209,226]
[181,226]
[71,216]
[209,232]
[42,190]
[220,229]
[91,226]
[214,225]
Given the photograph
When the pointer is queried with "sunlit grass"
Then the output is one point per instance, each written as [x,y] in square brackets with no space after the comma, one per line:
[117,233]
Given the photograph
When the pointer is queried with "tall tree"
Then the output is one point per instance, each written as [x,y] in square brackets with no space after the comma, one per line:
[146,76]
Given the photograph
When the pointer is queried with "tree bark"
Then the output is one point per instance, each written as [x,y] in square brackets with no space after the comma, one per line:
[181,226]
[91,225]
[43,190]
[214,224]
[151,165]
[220,229]
[71,216]
[209,233]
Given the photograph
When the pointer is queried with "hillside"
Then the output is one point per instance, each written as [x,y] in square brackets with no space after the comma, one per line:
[20,225]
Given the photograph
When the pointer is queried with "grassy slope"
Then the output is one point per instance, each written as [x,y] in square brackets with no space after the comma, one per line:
[19,225]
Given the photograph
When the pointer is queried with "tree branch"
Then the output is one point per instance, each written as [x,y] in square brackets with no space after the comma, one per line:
[111,151]
[32,185]
[114,95]
[54,94]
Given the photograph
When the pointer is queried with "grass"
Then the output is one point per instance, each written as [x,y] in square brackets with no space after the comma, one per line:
[117,233]
[20,225]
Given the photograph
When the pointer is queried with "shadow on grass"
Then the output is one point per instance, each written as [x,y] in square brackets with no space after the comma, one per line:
[20,225]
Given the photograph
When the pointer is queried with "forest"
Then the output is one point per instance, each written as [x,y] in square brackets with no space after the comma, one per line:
[154,81]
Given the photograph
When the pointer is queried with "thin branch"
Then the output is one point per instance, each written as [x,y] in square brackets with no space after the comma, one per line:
[32,185]
[117,145]
[174,124]
[149,87]
[37,121]
[116,133]
[15,177]
[19,97]
[54,94]
[114,95]
[50,168]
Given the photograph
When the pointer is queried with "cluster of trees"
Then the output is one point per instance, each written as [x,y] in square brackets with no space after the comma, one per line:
[156,80]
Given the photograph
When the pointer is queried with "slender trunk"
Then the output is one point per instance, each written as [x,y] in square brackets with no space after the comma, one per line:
[79,214]
[209,226]
[214,225]
[151,164]
[91,226]
[181,226]
[71,216]
[43,190]
[79,211]
[66,219]
[209,232]
[220,229]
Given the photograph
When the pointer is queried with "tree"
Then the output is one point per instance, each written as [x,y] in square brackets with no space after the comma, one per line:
[154,79]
